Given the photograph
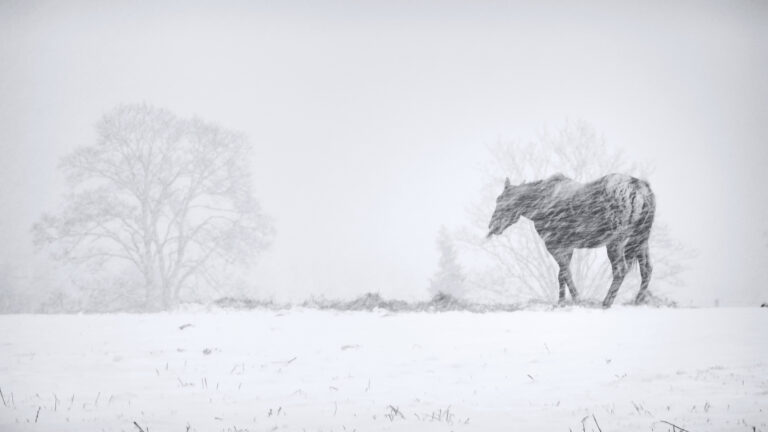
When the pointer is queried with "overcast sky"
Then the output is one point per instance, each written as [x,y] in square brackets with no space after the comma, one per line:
[370,120]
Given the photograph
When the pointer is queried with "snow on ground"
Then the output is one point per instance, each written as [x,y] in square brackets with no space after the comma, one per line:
[632,368]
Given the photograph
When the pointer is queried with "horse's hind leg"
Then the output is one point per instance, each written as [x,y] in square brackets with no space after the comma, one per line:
[646,269]
[620,267]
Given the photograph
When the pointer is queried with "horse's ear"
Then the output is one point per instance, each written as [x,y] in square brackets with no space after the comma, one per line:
[507,184]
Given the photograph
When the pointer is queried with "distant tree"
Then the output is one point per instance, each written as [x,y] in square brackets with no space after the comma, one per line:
[168,198]
[519,263]
[9,296]
[449,278]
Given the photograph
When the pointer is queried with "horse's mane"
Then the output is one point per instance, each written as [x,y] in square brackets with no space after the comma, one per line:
[542,184]
[552,178]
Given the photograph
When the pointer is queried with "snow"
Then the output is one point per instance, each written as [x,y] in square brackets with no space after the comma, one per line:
[630,367]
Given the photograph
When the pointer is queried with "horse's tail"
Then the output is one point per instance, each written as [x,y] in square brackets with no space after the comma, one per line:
[641,220]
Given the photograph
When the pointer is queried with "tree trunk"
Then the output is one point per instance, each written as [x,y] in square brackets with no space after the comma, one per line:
[167,300]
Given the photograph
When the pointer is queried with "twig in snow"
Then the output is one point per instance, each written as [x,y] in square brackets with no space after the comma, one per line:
[596,424]
[183,326]
[38,414]
[139,427]
[394,412]
[3,397]
[674,426]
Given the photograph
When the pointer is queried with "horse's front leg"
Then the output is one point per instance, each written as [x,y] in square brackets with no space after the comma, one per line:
[562,280]
[563,258]
[572,286]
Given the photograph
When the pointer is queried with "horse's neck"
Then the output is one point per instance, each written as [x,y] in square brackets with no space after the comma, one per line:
[534,199]
[541,199]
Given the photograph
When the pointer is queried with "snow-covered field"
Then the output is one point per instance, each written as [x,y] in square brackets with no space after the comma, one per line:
[624,369]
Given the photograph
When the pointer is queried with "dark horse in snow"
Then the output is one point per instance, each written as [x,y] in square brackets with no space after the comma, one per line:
[615,211]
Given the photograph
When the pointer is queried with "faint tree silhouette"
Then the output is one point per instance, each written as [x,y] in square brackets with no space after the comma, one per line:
[166,197]
[449,277]
[519,263]
[9,296]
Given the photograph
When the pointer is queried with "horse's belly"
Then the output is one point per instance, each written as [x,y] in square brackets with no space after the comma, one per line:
[578,237]
[592,244]
[595,238]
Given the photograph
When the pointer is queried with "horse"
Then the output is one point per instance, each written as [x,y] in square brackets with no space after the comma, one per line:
[615,211]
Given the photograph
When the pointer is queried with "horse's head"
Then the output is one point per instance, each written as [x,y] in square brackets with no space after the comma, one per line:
[507,210]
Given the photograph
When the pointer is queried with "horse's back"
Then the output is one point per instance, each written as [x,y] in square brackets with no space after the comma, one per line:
[592,214]
[631,202]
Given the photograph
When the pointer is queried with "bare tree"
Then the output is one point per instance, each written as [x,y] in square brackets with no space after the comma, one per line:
[449,277]
[519,262]
[9,296]
[167,198]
